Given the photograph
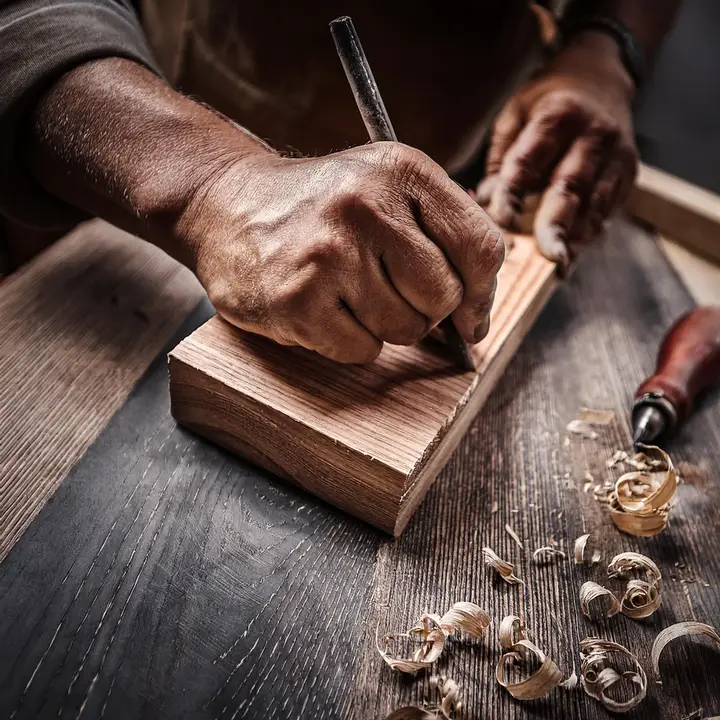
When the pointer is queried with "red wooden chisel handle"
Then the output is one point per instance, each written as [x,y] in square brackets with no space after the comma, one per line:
[688,361]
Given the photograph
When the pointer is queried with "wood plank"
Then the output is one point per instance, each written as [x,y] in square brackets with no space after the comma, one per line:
[80,325]
[701,276]
[678,209]
[371,439]
[169,579]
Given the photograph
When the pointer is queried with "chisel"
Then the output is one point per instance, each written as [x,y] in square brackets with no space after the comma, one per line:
[379,128]
[688,363]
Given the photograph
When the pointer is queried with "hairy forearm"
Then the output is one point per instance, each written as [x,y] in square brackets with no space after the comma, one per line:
[650,20]
[113,139]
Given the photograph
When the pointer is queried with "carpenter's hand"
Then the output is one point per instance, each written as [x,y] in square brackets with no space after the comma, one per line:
[568,133]
[343,252]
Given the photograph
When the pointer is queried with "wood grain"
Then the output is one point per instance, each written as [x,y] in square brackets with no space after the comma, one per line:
[168,579]
[371,439]
[80,324]
[682,211]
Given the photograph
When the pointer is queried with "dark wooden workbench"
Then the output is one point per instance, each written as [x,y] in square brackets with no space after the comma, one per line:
[167,579]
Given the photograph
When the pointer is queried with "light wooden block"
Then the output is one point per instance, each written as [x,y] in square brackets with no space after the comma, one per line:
[678,209]
[368,439]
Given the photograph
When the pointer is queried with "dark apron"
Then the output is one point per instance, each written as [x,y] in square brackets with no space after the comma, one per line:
[272,66]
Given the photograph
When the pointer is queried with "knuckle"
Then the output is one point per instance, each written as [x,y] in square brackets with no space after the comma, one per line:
[323,250]
[404,333]
[292,298]
[357,353]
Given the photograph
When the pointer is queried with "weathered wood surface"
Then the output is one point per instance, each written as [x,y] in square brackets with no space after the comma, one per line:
[79,325]
[334,429]
[168,579]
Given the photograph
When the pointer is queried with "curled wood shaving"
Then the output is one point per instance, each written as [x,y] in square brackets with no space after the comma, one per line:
[597,602]
[503,568]
[598,675]
[513,535]
[447,690]
[432,631]
[580,544]
[465,616]
[641,599]
[627,564]
[540,682]
[675,631]
[640,502]
[642,595]
[545,555]
[432,638]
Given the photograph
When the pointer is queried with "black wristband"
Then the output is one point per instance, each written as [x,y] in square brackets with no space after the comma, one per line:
[631,51]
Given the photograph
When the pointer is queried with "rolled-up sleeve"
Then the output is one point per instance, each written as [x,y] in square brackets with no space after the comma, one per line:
[39,41]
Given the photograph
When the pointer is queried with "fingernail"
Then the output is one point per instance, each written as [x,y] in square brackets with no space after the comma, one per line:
[481,330]
[551,242]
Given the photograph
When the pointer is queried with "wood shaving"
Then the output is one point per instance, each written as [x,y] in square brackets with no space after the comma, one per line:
[545,555]
[502,567]
[640,502]
[432,630]
[641,599]
[628,564]
[579,552]
[596,417]
[433,642]
[596,557]
[521,650]
[597,602]
[449,691]
[513,535]
[448,704]
[571,683]
[617,458]
[583,429]
[495,507]
[467,617]
[642,595]
[598,674]
[673,632]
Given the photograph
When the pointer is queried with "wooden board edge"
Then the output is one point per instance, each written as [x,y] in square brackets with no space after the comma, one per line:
[437,454]
[678,209]
[380,509]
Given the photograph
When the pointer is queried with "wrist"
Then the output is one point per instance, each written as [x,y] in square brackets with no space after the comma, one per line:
[113,139]
[596,53]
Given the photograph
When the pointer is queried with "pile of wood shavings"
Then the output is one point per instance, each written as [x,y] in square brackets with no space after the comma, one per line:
[639,502]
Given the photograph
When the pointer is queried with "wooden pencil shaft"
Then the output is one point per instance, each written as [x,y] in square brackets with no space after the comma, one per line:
[380,128]
[362,81]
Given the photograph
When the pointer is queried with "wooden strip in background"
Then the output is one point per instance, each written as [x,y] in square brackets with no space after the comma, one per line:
[682,211]
[79,325]
[701,276]
[371,439]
